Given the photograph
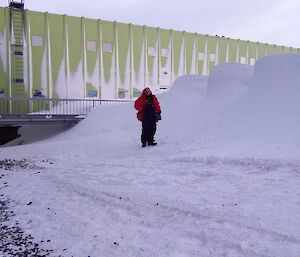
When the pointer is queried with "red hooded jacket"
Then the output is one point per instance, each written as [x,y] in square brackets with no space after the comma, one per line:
[140,104]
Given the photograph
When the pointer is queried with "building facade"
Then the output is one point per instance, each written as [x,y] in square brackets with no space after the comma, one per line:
[59,56]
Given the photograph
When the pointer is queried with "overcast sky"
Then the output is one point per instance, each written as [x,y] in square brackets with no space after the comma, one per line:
[266,21]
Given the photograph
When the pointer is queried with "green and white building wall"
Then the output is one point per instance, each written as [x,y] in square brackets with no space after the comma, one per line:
[60,56]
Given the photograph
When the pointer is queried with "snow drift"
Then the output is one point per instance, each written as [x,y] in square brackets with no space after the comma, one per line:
[264,122]
[245,112]
[227,82]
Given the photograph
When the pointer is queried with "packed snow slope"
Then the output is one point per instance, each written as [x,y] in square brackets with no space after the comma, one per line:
[224,179]
[265,121]
[245,112]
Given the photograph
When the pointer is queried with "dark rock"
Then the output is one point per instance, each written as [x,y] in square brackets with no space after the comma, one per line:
[13,240]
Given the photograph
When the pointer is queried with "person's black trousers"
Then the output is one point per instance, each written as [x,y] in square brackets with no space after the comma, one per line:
[148,130]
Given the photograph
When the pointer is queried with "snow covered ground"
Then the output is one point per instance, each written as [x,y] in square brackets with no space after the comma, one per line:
[224,179]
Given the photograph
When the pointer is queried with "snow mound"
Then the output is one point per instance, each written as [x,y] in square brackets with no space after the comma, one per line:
[191,81]
[244,111]
[227,82]
[277,83]
[180,109]
[265,120]
[278,75]
[273,100]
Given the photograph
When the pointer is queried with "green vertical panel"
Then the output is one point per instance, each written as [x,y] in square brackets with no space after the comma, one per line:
[201,41]
[283,49]
[212,47]
[6,51]
[37,28]
[295,50]
[137,35]
[91,34]
[233,46]
[222,49]
[177,51]
[164,38]
[74,42]
[4,90]
[287,49]
[270,49]
[4,85]
[252,52]
[151,42]
[278,49]
[56,34]
[92,61]
[151,37]
[164,43]
[108,37]
[261,50]
[138,56]
[123,54]
[189,47]
[74,46]
[2,19]
[165,57]
[243,51]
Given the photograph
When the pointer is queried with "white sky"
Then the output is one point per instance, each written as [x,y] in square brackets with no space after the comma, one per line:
[270,21]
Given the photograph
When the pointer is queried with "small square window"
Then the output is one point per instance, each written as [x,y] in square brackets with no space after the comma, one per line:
[107,47]
[243,60]
[252,61]
[91,46]
[1,37]
[38,93]
[92,93]
[122,93]
[18,80]
[1,92]
[151,51]
[212,57]
[200,56]
[165,52]
[37,40]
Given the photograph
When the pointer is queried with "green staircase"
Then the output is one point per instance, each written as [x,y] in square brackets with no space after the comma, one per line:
[16,12]
[16,46]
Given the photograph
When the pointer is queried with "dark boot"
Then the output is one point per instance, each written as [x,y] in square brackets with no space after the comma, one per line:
[143,144]
[152,143]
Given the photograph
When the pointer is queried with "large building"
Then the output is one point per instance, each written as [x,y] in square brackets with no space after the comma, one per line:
[59,56]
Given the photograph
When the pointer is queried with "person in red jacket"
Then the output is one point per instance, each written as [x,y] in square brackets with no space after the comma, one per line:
[149,112]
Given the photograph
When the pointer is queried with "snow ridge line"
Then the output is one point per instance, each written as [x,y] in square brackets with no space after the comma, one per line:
[264,164]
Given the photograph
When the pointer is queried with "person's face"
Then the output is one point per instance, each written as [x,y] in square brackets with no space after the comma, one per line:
[147,91]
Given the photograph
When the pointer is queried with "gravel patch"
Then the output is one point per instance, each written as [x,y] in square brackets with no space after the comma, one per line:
[14,242]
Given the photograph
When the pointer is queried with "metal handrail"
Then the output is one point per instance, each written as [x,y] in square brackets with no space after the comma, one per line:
[51,106]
